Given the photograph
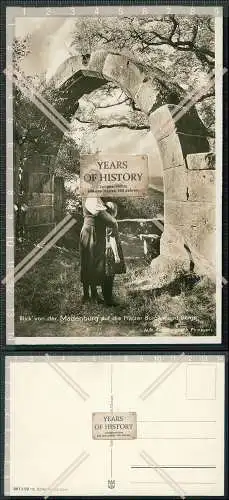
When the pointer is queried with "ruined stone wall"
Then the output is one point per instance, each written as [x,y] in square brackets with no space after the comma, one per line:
[188,167]
[189,191]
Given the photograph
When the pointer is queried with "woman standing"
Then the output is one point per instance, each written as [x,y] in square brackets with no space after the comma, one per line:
[93,245]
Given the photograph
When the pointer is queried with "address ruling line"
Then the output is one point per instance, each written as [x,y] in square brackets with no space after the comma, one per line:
[165,476]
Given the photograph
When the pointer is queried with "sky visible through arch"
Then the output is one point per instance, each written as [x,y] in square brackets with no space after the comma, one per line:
[50,40]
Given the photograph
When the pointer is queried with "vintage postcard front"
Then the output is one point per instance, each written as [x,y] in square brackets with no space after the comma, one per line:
[143,425]
[114,123]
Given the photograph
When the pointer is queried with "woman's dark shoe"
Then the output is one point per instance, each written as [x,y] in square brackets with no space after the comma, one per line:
[112,303]
[85,299]
[97,299]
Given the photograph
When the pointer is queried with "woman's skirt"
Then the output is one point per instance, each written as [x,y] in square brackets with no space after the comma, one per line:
[92,254]
[112,267]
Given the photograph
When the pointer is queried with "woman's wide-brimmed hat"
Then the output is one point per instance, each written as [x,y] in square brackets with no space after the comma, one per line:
[112,208]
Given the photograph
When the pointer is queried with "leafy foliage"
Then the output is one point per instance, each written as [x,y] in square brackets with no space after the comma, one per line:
[180,47]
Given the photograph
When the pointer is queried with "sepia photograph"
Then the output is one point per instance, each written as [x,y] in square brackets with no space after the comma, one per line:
[114,176]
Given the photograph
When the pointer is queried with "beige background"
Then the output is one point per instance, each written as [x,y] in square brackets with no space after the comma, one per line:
[180,417]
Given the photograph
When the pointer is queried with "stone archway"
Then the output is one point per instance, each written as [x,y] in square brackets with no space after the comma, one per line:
[188,166]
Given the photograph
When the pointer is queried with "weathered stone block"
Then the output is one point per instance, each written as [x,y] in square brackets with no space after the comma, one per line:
[199,243]
[39,215]
[175,183]
[40,182]
[133,78]
[201,185]
[96,64]
[202,244]
[171,152]
[166,120]
[164,270]
[67,69]
[190,214]
[161,122]
[146,96]
[172,244]
[120,69]
[38,199]
[201,161]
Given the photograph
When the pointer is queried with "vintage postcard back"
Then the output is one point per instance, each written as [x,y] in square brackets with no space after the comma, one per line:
[137,425]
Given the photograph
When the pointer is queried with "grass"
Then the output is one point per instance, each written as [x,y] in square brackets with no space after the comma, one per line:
[48,302]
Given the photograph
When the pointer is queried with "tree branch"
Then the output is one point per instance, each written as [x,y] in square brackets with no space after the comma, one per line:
[133,105]
[206,96]
[112,39]
[104,37]
[209,25]
[123,124]
[174,27]
[110,105]
[202,53]
[194,34]
[211,134]
[112,125]
[87,122]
